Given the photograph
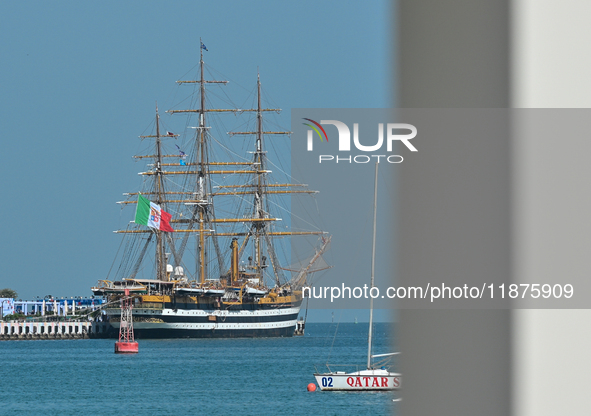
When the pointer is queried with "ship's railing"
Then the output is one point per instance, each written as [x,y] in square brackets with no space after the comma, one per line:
[149,305]
[145,305]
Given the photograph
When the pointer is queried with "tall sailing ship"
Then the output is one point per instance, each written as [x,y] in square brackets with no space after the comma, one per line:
[207,263]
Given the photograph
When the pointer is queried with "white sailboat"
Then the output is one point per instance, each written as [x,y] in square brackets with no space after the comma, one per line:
[375,376]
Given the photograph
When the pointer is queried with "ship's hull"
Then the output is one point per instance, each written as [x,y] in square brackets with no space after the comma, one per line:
[160,333]
[207,323]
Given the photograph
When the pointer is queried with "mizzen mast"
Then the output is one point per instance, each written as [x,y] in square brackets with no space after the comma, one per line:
[260,227]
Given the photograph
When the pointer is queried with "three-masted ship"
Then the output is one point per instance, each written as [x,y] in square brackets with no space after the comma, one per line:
[218,273]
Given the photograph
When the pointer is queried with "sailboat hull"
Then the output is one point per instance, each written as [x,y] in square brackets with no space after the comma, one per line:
[366,380]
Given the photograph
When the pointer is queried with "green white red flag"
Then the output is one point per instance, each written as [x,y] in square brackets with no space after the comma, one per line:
[150,214]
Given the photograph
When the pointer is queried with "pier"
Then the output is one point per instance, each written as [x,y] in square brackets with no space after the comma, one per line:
[53,330]
[52,318]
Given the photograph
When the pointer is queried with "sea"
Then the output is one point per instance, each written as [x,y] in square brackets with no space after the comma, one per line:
[264,376]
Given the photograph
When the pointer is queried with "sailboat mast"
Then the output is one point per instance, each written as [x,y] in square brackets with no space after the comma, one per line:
[373,266]
[160,254]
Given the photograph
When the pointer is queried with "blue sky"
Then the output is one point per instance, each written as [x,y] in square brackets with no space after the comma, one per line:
[79,83]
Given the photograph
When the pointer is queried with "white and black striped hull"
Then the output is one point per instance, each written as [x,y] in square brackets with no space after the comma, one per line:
[198,323]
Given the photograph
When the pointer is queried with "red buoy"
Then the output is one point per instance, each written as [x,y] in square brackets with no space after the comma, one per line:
[126,344]
[126,347]
[311,387]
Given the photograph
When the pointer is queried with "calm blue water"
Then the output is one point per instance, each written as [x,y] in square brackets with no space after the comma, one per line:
[188,377]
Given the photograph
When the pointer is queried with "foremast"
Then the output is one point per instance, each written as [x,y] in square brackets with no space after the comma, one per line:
[159,192]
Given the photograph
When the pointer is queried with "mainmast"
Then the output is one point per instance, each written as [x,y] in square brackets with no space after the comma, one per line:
[202,214]
[201,185]
[259,212]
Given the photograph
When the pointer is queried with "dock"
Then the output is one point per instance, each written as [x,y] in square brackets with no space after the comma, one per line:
[53,330]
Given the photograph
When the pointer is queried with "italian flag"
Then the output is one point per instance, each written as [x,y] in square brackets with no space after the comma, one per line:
[150,214]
